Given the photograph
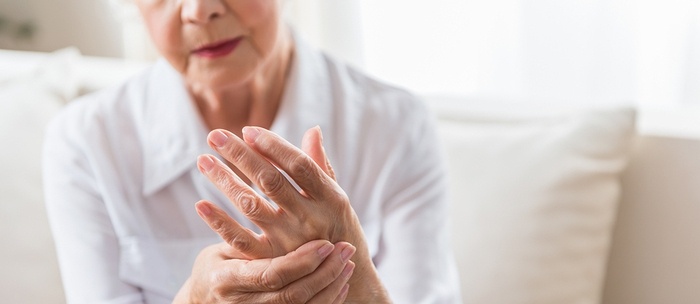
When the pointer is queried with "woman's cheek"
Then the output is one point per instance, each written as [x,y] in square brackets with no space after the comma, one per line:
[167,37]
[254,13]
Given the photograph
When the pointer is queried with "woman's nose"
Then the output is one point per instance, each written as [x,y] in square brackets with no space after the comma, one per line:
[202,11]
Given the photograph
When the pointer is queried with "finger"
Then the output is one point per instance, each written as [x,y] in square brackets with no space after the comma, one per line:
[337,264]
[312,145]
[255,167]
[300,167]
[249,203]
[343,295]
[337,290]
[271,275]
[242,239]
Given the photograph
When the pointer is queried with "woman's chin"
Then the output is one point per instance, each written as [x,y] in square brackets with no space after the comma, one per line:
[221,76]
[221,79]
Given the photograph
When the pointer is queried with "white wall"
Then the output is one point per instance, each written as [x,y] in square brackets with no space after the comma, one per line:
[90,25]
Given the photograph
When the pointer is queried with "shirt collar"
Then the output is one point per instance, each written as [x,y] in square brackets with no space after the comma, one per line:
[175,134]
[307,98]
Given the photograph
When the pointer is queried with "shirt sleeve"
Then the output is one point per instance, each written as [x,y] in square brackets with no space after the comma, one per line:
[415,259]
[85,239]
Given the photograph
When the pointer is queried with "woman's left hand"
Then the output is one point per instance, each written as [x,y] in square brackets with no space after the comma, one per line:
[319,210]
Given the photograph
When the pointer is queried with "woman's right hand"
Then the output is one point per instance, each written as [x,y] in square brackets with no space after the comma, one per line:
[317,272]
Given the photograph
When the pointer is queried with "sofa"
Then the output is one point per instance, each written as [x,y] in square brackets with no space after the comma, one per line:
[549,203]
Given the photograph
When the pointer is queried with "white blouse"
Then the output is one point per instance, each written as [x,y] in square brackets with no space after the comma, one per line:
[121,181]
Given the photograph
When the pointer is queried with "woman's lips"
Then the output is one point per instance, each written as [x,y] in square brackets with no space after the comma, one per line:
[218,49]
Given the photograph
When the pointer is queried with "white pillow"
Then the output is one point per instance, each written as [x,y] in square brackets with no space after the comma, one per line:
[534,197]
[27,102]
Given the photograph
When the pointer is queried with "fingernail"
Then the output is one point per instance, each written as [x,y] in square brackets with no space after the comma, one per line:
[347,253]
[206,163]
[325,250]
[218,138]
[349,267]
[203,209]
[250,134]
[344,291]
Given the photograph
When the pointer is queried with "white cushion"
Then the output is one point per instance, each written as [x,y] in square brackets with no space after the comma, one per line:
[534,197]
[27,102]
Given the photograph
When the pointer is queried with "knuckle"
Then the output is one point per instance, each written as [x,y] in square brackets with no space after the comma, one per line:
[301,166]
[271,182]
[295,295]
[218,226]
[250,207]
[311,227]
[271,279]
[234,238]
[338,195]
[241,243]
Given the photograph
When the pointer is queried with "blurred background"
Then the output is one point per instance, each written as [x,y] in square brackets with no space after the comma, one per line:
[526,55]
[644,52]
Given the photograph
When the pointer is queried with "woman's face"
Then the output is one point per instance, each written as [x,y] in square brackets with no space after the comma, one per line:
[214,42]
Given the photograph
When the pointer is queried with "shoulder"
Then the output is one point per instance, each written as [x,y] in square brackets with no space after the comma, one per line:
[383,125]
[98,122]
[378,100]
[97,113]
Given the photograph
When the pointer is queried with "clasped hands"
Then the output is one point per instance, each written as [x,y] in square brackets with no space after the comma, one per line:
[312,248]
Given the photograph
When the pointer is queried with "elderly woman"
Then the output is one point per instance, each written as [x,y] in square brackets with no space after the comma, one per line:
[124,167]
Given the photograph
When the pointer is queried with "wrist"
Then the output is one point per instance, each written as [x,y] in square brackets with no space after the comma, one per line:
[365,285]
[184,295]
